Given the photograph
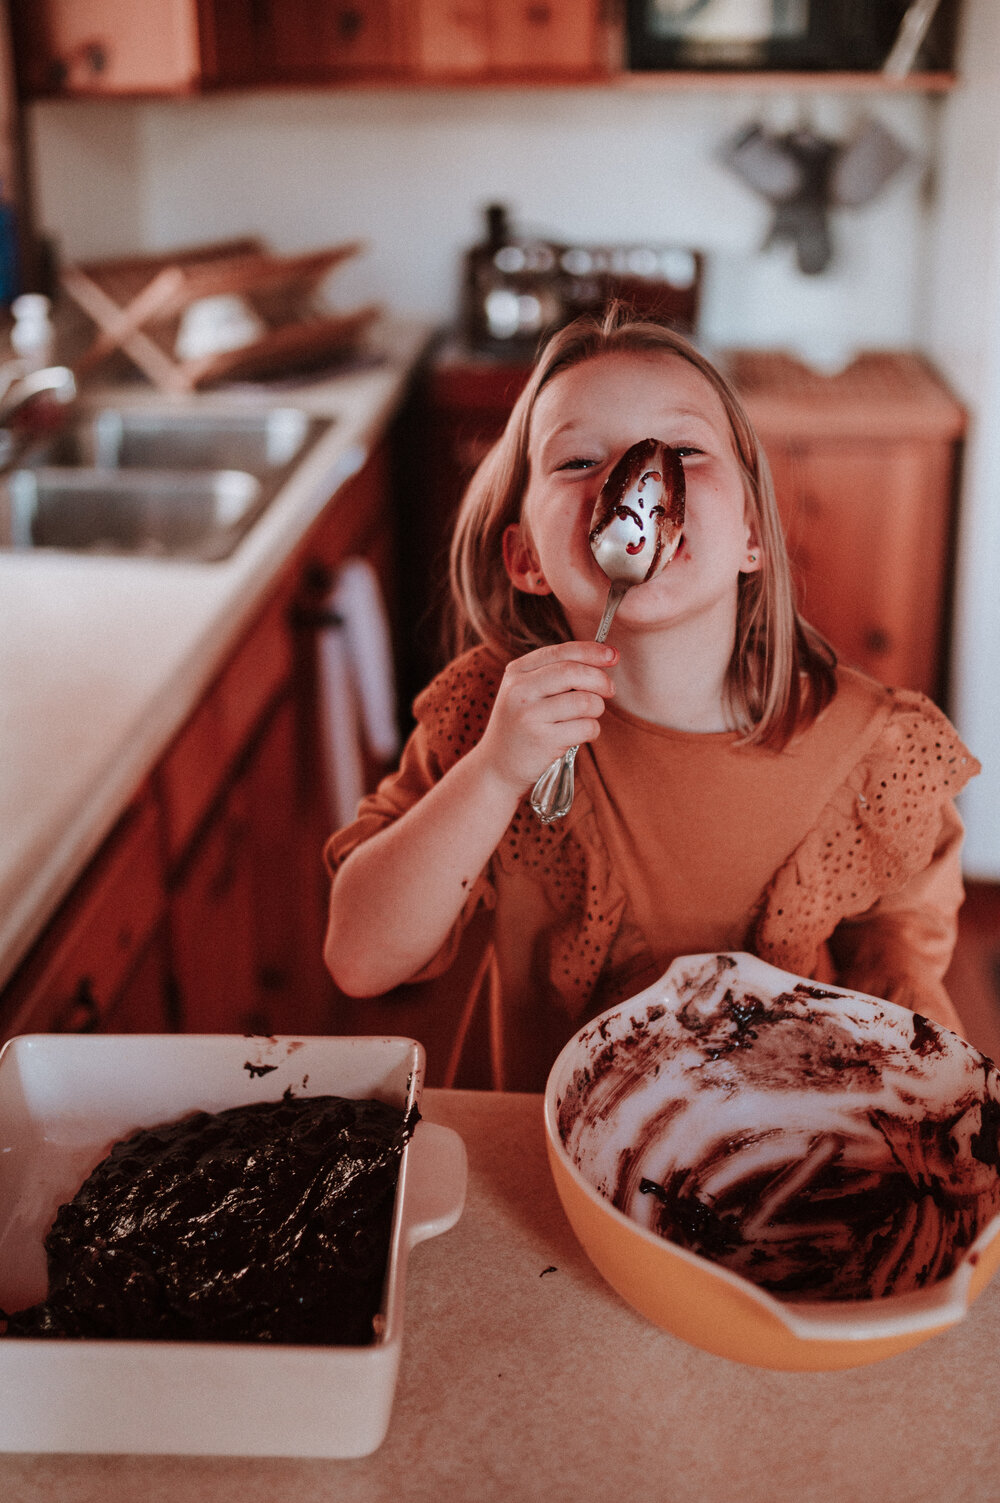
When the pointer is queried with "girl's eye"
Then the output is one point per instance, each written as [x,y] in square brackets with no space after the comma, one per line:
[578,464]
[686,451]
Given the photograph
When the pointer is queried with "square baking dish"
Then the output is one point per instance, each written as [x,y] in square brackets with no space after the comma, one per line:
[64,1100]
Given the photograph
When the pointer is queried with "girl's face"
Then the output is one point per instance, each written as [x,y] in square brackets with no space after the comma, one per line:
[583,421]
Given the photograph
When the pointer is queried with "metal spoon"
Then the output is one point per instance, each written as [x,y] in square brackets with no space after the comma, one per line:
[634,533]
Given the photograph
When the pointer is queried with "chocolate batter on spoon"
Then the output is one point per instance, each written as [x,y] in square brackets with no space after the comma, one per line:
[639,518]
[635,531]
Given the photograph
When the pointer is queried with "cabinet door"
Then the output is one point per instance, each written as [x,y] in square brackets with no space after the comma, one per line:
[313,40]
[506,38]
[234,42]
[214,737]
[82,966]
[545,36]
[248,908]
[451,38]
[294,992]
[212,925]
[144,1004]
[106,46]
[868,533]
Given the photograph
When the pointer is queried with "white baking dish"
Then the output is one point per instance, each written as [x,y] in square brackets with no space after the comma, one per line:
[64,1099]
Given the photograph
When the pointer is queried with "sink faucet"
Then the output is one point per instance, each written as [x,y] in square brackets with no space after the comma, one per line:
[19,388]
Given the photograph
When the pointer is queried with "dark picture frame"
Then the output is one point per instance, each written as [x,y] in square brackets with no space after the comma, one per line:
[803,36]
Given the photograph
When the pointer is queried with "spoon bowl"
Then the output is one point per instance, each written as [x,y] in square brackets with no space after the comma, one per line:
[635,531]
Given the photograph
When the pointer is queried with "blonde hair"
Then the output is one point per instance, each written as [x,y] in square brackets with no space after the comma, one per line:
[781,672]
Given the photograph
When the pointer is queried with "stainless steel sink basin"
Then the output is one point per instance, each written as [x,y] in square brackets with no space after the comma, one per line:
[198,514]
[170,483]
[261,442]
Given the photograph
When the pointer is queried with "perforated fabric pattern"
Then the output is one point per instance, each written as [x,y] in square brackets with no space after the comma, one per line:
[877,831]
[567,860]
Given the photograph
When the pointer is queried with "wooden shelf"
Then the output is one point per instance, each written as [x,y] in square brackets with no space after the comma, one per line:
[832,83]
[629,81]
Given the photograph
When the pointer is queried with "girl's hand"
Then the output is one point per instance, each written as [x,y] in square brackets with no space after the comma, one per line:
[548,700]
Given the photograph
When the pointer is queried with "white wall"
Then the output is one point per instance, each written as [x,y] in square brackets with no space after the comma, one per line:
[963,335]
[410,171]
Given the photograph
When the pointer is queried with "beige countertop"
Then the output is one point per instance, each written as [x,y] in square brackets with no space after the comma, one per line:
[524,1376]
[102,659]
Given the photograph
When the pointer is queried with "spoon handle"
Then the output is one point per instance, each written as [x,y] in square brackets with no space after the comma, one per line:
[615,596]
[552,795]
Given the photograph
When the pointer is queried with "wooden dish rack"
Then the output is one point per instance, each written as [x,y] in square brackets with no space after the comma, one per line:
[137,303]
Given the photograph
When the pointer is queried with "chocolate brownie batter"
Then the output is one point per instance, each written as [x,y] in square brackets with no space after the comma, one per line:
[883,1196]
[268,1222]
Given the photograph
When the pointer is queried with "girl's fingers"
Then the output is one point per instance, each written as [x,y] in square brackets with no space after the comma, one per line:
[578,733]
[577,704]
[598,654]
[559,677]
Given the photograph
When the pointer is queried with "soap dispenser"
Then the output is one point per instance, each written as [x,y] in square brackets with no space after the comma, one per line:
[32,336]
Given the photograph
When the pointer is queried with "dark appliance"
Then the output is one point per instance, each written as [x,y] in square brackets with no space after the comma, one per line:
[784,35]
[518,288]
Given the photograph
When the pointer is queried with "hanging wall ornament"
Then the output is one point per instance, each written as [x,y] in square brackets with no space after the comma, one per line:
[804,175]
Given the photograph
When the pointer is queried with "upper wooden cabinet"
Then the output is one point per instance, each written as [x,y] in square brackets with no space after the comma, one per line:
[148,47]
[507,38]
[85,47]
[106,46]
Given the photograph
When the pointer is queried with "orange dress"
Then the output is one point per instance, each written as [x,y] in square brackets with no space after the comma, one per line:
[836,858]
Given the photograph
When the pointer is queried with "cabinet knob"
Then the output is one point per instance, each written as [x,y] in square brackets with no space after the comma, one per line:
[877,641]
[82,1014]
[538,15]
[350,23]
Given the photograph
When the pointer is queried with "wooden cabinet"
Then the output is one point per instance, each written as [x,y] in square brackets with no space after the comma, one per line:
[102,962]
[106,46]
[864,466]
[460,410]
[245,799]
[484,39]
[328,39]
[211,921]
[93,47]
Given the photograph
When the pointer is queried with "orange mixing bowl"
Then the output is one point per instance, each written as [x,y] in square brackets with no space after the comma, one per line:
[788,1175]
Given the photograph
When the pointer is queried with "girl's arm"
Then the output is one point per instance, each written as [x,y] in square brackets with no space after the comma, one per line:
[396,897]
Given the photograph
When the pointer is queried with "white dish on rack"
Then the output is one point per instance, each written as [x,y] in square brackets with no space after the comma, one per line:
[64,1099]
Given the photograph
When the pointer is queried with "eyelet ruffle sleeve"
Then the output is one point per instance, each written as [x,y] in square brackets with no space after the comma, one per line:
[877,831]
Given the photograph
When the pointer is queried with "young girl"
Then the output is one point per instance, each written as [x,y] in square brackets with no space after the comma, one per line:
[735,788]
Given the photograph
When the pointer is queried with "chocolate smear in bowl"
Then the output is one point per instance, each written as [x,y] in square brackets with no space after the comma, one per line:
[823,1145]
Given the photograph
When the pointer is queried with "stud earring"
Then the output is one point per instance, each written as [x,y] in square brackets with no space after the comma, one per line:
[752,557]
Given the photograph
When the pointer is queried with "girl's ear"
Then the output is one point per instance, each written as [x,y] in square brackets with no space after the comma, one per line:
[521,564]
[754,553]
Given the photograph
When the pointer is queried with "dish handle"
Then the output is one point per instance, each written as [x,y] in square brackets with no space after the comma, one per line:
[437,1173]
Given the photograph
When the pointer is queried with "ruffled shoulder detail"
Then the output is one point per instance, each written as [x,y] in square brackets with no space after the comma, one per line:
[454,708]
[878,830]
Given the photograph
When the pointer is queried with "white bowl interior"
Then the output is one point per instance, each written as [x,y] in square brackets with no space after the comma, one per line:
[729,1093]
